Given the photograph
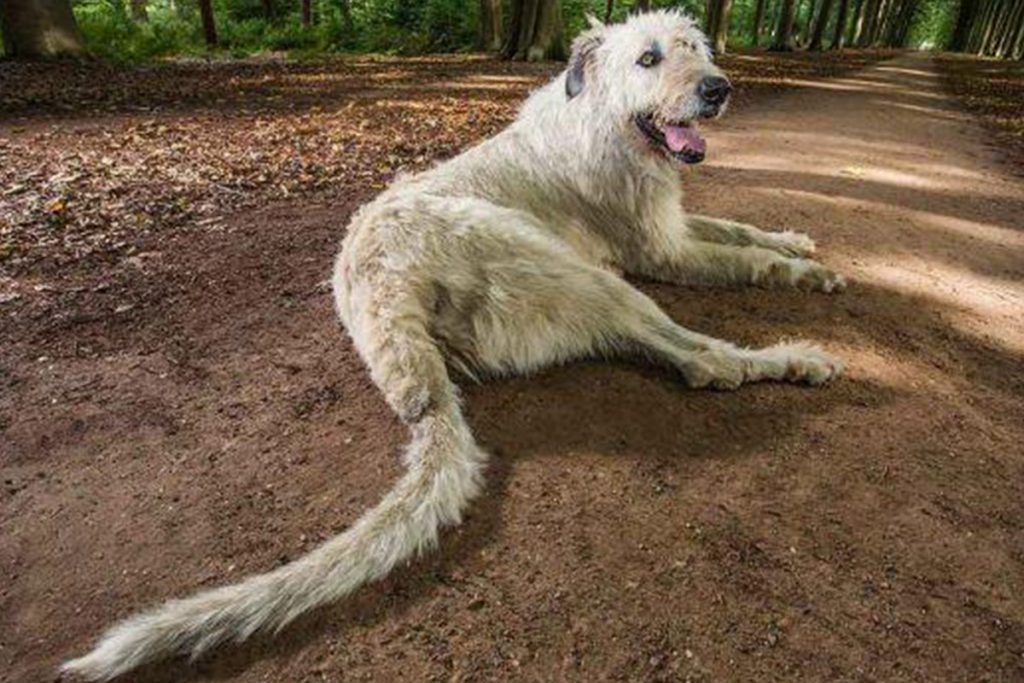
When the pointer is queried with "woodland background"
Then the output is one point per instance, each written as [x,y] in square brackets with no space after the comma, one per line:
[133,30]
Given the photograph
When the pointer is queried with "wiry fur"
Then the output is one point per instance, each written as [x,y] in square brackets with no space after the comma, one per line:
[505,260]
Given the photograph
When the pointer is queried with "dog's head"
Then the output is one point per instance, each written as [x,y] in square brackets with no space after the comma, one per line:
[654,75]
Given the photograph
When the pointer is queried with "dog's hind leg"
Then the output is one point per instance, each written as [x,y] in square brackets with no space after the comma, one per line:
[724,231]
[549,309]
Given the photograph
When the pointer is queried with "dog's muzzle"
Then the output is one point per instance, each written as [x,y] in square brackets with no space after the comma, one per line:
[713,92]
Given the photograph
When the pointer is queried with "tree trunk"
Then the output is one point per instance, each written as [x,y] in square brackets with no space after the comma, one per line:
[535,32]
[209,27]
[139,13]
[755,31]
[641,6]
[607,11]
[718,23]
[268,9]
[839,34]
[34,29]
[784,33]
[1017,51]
[306,13]
[805,26]
[710,17]
[866,28]
[857,25]
[964,16]
[818,34]
[1014,15]
[490,25]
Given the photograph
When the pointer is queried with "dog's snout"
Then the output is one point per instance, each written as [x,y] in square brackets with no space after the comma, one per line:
[714,89]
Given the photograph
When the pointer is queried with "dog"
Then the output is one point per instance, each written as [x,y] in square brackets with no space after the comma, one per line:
[507,259]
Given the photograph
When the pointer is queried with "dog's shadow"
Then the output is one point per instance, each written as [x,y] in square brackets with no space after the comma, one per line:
[623,397]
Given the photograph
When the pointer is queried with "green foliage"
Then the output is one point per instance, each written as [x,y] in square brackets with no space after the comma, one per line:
[394,26]
[933,26]
[110,33]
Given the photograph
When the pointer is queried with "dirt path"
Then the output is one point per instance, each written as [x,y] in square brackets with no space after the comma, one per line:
[633,530]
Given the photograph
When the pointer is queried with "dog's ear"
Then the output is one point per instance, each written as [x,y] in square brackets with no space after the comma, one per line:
[583,49]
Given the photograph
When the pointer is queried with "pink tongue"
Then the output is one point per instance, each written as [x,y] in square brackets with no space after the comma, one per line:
[681,138]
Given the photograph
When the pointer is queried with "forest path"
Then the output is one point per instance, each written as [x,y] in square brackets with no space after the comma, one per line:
[632,529]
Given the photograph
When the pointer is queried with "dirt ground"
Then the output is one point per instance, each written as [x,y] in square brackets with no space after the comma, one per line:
[183,411]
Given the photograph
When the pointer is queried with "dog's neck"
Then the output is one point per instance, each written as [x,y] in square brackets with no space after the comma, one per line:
[589,141]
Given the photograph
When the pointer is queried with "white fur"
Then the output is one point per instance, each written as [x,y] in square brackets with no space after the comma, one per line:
[505,260]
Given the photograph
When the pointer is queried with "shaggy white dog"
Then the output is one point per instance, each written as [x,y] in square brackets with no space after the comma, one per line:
[505,260]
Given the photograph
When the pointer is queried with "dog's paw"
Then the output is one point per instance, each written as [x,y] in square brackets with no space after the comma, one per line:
[793,243]
[714,370]
[814,277]
[799,362]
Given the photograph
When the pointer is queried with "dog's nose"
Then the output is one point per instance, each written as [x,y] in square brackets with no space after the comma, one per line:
[714,89]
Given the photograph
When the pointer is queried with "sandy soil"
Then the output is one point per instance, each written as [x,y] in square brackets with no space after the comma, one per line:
[219,424]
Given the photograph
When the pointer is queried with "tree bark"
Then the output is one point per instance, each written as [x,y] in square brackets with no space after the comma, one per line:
[958,41]
[607,11]
[306,13]
[783,41]
[839,34]
[209,26]
[718,28]
[268,9]
[490,25]
[710,17]
[804,29]
[139,13]
[755,31]
[867,26]
[535,32]
[818,33]
[857,25]
[34,29]
[1009,32]
[641,6]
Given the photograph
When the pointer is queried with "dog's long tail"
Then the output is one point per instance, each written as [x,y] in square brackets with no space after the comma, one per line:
[444,472]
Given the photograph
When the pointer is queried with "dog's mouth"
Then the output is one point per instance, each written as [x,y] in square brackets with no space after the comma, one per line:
[678,139]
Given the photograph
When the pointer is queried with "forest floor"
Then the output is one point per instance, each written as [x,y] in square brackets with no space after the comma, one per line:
[179,409]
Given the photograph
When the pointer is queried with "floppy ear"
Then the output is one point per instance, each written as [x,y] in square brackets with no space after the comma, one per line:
[579,61]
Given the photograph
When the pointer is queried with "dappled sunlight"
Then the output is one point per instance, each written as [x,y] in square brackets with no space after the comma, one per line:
[910,72]
[989,309]
[844,157]
[860,86]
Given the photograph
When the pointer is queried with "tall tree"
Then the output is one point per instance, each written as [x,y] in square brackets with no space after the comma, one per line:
[718,23]
[139,13]
[34,29]
[866,31]
[839,36]
[535,31]
[755,29]
[306,13]
[490,25]
[608,11]
[803,23]
[209,26]
[857,25]
[268,9]
[784,33]
[820,24]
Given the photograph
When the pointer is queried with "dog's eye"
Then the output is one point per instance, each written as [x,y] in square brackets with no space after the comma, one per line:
[649,59]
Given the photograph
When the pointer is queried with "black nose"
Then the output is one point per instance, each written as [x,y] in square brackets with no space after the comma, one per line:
[714,89]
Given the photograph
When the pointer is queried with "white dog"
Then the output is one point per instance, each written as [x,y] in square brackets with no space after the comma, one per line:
[505,260]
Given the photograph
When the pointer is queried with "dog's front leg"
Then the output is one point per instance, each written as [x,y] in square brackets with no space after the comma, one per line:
[723,231]
[691,261]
